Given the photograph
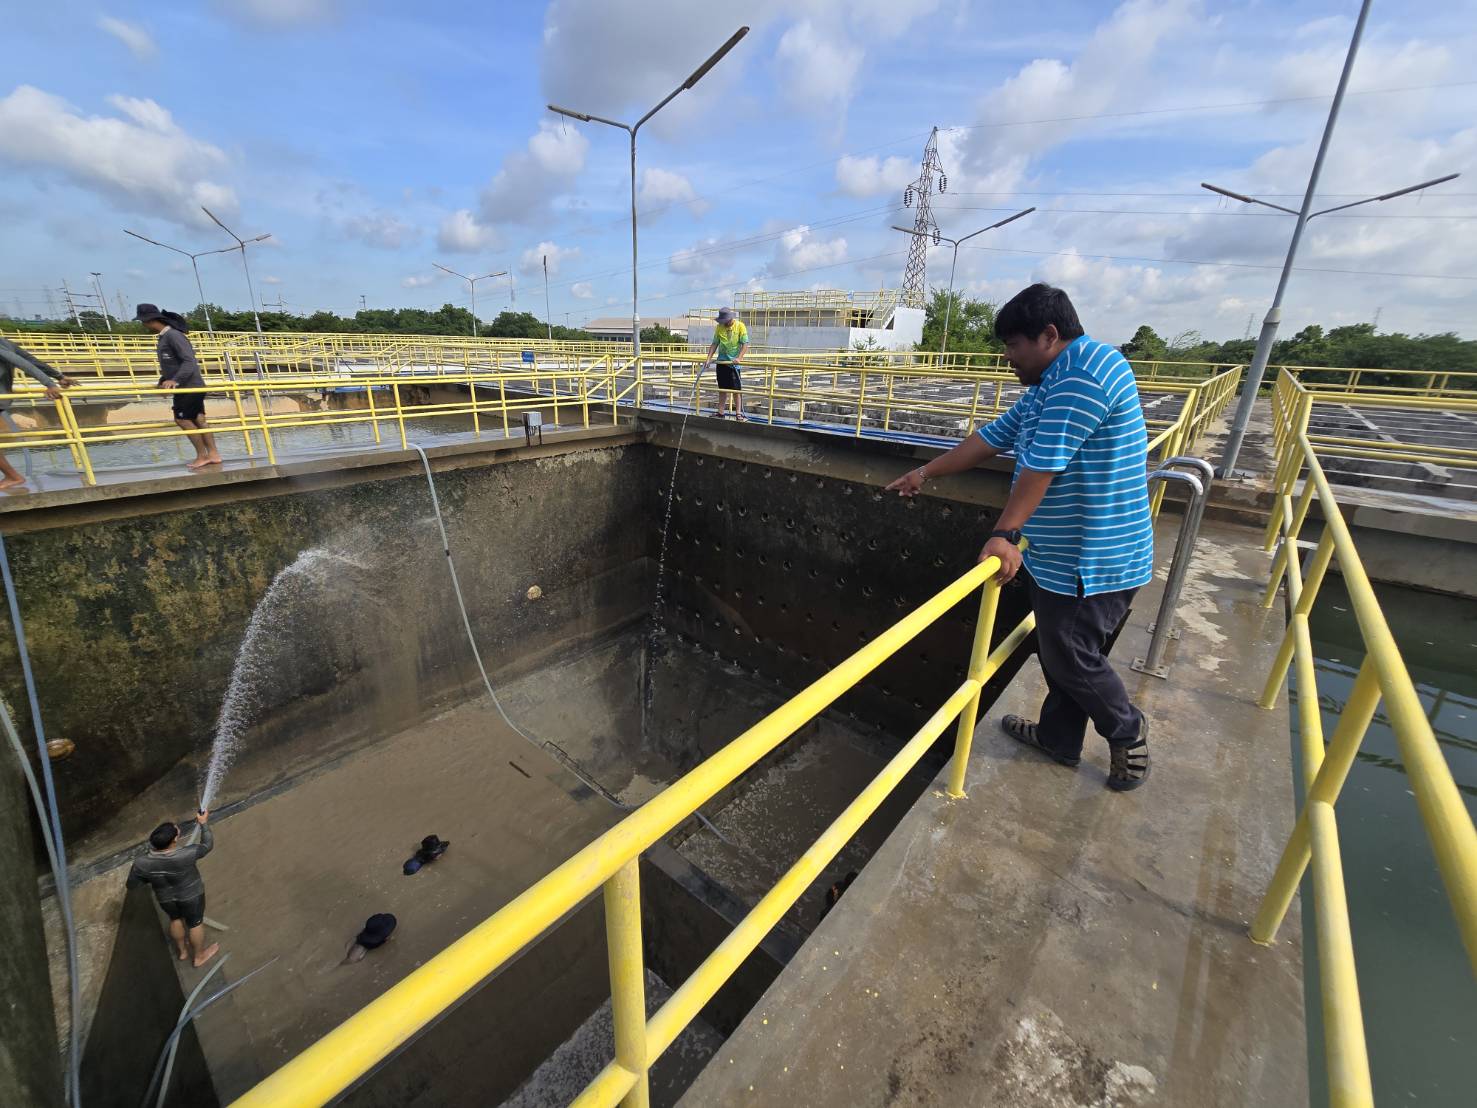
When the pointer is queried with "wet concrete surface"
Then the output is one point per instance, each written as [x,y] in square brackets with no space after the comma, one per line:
[295,876]
[1048,942]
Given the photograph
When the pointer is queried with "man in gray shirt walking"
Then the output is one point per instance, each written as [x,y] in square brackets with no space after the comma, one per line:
[12,358]
[169,869]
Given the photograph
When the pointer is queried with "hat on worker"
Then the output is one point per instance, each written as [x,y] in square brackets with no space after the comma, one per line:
[146,312]
[725,315]
[376,931]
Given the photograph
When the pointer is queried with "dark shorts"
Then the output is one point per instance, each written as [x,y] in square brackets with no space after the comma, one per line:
[189,405]
[728,377]
[191,911]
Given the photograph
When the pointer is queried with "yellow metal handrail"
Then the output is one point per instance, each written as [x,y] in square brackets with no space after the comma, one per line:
[611,863]
[853,398]
[1382,676]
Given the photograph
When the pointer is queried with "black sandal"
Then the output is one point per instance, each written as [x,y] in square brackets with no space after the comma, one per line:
[1130,766]
[1024,731]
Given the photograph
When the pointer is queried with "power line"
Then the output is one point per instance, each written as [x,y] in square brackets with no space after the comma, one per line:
[1200,211]
[1226,265]
[1201,107]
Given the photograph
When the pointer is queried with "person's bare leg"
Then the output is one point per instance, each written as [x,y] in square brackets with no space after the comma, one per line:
[189,425]
[203,953]
[212,455]
[177,933]
[10,477]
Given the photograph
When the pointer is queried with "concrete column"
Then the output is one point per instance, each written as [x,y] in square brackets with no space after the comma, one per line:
[30,1065]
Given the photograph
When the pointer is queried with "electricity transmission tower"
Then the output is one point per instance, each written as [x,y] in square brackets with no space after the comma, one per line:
[925,229]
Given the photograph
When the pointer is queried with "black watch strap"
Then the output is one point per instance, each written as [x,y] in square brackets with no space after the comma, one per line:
[1013,537]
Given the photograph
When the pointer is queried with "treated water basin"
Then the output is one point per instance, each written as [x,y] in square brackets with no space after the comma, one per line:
[1415,983]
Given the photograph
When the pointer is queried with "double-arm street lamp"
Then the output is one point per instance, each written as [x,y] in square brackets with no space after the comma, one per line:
[209,326]
[472,286]
[1258,365]
[631,129]
[241,244]
[937,238]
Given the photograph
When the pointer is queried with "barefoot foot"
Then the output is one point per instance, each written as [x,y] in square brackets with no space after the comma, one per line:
[12,482]
[207,954]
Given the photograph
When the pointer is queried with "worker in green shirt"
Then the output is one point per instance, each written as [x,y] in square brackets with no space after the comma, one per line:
[730,340]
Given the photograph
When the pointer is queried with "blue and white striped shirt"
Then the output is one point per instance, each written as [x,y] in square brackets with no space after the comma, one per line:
[1083,422]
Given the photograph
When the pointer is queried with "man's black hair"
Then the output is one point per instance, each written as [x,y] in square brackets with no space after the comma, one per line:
[163,835]
[1031,310]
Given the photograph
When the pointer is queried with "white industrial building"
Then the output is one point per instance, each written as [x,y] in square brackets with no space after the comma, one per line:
[824,319]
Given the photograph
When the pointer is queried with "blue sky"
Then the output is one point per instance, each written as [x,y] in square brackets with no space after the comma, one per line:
[372,140]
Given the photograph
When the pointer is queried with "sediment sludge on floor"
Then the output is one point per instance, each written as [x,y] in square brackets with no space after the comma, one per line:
[774,555]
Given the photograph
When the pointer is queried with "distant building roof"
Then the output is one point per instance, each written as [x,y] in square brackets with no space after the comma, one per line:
[618,325]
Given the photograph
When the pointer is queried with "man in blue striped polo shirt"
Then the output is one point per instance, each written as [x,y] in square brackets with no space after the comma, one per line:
[1080,497]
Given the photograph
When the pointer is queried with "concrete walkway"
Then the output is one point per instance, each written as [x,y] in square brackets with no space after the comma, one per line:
[1049,942]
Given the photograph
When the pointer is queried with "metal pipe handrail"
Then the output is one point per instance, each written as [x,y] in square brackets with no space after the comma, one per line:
[1170,470]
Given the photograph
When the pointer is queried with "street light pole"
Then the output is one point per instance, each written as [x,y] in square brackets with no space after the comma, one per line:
[956,243]
[631,129]
[199,288]
[102,301]
[241,244]
[472,285]
[1273,318]
[548,315]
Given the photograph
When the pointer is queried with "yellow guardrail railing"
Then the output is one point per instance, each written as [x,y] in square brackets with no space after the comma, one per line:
[611,864]
[931,405]
[492,401]
[1382,677]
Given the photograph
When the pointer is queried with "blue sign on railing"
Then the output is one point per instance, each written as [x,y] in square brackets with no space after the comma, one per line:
[528,357]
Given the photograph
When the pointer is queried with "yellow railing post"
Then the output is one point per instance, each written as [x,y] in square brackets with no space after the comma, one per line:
[887,411]
[374,421]
[472,395]
[74,434]
[261,417]
[1343,1020]
[861,403]
[979,654]
[627,977]
[502,393]
[772,380]
[399,414]
[1343,747]
[241,417]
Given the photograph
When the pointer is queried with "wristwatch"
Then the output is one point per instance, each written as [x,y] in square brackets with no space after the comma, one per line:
[1013,537]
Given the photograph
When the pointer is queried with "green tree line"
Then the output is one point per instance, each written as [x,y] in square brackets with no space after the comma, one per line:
[1354,346]
[446,320]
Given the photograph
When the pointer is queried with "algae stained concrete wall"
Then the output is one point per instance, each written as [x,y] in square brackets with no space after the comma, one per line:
[134,621]
[30,1069]
[789,558]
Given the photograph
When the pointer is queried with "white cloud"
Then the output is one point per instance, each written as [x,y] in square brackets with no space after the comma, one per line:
[800,249]
[141,159]
[419,280]
[532,260]
[523,189]
[661,189]
[873,176]
[269,279]
[138,40]
[818,69]
[278,14]
[582,290]
[1112,70]
[379,229]
[699,259]
[462,233]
